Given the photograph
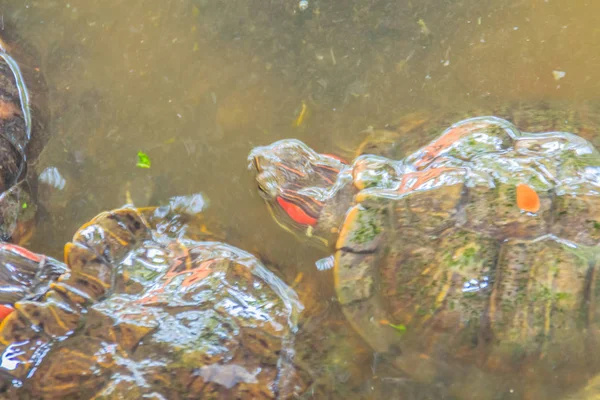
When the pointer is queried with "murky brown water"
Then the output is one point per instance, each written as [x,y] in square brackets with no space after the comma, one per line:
[197,83]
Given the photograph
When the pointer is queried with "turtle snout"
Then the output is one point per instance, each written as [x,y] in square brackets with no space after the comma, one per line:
[267,184]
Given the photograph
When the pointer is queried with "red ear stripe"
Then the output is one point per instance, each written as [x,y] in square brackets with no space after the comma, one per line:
[5,311]
[296,212]
[21,251]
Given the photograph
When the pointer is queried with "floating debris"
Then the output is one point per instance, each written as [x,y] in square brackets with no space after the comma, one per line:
[558,75]
[424,29]
[300,119]
[143,160]
[303,5]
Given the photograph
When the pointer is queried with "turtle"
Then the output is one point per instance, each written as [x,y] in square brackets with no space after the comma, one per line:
[140,314]
[472,261]
[23,134]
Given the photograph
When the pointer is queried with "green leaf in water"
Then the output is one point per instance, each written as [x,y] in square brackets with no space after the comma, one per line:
[24,205]
[143,160]
[400,328]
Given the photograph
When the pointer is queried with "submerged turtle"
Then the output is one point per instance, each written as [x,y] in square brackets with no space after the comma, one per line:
[22,136]
[140,315]
[474,261]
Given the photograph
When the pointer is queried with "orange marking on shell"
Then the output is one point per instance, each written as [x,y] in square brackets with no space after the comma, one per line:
[443,142]
[5,311]
[296,212]
[527,199]
[8,110]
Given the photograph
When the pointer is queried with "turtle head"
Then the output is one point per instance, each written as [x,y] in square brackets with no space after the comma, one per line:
[302,187]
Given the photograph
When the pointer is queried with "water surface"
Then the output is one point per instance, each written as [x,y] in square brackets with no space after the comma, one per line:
[196,84]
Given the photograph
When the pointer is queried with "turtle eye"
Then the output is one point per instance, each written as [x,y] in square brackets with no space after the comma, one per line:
[267,183]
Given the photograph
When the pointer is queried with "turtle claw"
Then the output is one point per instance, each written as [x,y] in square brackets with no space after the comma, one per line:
[325,264]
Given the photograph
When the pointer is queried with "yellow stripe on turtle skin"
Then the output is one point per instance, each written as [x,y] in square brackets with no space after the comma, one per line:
[63,288]
[90,278]
[91,222]
[58,320]
[45,307]
[293,232]
[311,208]
[122,242]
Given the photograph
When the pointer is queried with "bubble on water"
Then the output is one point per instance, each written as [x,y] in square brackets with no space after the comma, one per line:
[303,5]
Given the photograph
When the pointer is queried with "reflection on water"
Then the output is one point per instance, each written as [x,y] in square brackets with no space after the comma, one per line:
[195,84]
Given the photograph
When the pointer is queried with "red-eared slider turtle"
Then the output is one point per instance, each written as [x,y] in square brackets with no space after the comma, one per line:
[22,136]
[473,261]
[140,315]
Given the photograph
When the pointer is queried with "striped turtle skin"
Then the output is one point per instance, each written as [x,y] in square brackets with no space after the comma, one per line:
[138,315]
[472,261]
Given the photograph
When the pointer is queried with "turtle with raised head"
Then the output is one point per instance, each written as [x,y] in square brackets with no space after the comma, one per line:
[138,314]
[474,261]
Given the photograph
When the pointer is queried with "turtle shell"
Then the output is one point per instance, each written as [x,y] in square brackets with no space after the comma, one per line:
[479,254]
[141,315]
[22,133]
[411,130]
